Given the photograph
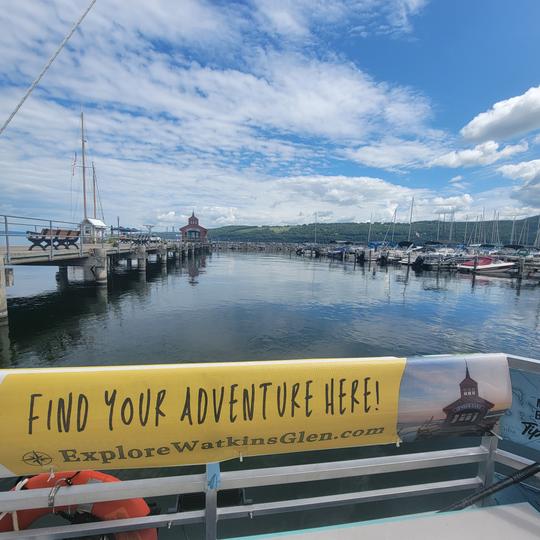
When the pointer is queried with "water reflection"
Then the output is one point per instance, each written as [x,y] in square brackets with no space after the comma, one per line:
[256,306]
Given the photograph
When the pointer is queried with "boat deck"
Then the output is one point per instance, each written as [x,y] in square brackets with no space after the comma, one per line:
[513,521]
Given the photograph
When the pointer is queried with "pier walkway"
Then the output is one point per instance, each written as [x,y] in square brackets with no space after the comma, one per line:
[95,256]
[20,255]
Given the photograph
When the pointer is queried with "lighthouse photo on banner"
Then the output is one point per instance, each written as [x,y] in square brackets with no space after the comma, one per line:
[464,396]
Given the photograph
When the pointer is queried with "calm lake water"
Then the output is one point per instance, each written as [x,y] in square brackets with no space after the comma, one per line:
[257,307]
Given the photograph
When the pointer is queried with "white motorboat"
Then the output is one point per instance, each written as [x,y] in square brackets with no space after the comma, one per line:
[485,264]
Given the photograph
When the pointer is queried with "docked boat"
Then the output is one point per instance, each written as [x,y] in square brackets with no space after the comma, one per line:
[338,253]
[486,264]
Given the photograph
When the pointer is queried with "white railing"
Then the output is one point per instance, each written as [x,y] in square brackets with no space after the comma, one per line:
[14,229]
[485,456]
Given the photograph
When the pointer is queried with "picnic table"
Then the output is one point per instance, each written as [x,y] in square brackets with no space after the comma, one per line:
[56,237]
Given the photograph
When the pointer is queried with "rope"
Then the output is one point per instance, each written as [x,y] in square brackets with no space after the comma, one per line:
[47,66]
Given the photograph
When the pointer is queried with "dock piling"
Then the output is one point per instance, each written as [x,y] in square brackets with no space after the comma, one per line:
[162,255]
[141,258]
[95,267]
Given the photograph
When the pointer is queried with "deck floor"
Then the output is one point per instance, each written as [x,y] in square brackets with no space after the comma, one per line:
[509,522]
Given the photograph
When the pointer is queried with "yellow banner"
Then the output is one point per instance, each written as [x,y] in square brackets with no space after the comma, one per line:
[163,415]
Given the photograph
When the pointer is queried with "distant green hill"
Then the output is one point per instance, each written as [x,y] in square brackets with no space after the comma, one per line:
[525,232]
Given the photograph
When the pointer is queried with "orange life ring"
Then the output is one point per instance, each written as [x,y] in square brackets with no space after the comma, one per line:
[100,511]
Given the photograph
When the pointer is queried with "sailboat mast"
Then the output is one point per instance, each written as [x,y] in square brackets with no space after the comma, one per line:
[83,166]
[94,189]
[513,228]
[410,220]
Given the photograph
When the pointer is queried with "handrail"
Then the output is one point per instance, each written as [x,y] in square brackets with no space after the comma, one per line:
[174,485]
[38,219]
[523,363]
[16,229]
[195,483]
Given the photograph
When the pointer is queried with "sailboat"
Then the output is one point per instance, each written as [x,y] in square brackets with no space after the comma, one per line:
[92,228]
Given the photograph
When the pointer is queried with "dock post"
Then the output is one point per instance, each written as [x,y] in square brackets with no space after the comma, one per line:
[3,296]
[141,258]
[95,266]
[162,255]
[62,276]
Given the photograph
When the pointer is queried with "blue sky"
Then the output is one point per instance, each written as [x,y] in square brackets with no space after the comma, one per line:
[267,112]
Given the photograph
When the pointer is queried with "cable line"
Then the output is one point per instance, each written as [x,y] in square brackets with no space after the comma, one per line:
[47,66]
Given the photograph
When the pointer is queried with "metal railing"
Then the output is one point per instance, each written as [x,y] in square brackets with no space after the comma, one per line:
[485,456]
[18,227]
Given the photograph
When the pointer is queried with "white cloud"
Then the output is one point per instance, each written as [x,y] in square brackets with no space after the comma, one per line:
[360,197]
[528,193]
[216,215]
[514,116]
[526,170]
[301,19]
[394,153]
[457,183]
[453,202]
[482,154]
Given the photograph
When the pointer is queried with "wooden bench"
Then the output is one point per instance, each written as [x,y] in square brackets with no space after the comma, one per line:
[56,237]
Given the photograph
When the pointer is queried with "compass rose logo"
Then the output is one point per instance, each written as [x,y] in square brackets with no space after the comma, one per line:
[36,458]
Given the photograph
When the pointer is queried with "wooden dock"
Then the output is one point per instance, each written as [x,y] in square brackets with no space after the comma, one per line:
[95,259]
[21,255]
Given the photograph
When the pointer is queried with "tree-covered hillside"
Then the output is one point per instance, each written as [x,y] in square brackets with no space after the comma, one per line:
[525,232]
